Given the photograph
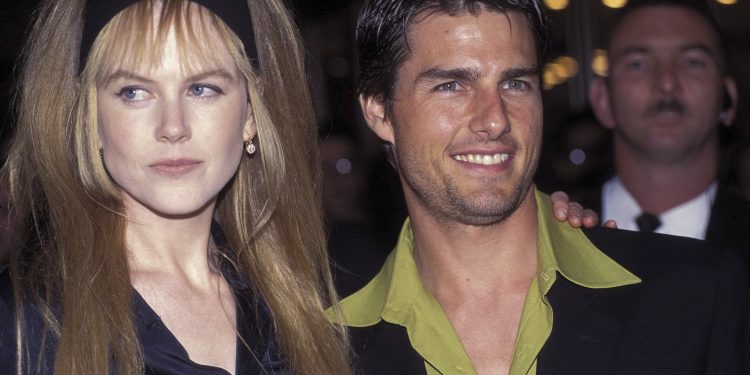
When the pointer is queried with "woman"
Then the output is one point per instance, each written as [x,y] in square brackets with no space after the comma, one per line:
[140,124]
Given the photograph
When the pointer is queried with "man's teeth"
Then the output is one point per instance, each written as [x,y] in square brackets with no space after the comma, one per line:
[483,159]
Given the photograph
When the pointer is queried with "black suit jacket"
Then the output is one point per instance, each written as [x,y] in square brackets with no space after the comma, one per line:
[728,226]
[689,315]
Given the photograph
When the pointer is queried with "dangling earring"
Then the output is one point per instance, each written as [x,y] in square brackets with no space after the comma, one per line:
[101,152]
[250,147]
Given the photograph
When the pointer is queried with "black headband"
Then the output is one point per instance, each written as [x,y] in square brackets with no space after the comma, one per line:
[234,13]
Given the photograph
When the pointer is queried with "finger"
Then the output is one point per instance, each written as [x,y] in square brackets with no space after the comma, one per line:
[560,204]
[611,224]
[590,218]
[575,215]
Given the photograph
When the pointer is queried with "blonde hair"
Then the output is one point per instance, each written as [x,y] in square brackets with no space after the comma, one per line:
[73,255]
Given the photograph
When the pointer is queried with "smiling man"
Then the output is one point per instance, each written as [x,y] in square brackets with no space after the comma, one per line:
[484,279]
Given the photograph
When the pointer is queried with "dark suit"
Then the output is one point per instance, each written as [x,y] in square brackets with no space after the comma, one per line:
[689,315]
[728,226]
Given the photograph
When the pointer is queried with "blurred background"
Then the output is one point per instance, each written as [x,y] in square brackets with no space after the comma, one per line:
[362,194]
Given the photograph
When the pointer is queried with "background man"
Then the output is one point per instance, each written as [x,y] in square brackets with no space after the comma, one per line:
[482,267]
[666,97]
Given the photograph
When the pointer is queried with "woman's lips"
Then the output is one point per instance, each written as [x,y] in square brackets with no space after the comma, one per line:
[175,167]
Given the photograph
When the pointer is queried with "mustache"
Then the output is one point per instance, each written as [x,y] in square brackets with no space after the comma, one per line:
[666,105]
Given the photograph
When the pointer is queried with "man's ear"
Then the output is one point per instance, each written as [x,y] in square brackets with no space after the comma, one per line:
[373,109]
[729,110]
[600,102]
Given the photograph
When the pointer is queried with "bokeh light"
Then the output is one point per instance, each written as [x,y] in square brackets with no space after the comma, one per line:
[559,71]
[577,156]
[343,166]
[614,3]
[556,4]
[600,63]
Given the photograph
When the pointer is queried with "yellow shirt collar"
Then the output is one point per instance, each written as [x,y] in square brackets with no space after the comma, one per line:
[567,250]
[398,296]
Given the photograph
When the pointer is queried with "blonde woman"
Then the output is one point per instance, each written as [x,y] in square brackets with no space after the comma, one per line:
[141,123]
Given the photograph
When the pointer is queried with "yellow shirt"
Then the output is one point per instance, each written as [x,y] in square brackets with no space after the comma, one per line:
[397,295]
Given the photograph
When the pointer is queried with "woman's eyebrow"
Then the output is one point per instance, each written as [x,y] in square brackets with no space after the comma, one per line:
[126,74]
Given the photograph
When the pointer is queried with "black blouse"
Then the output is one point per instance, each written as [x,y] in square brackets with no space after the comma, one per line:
[162,353]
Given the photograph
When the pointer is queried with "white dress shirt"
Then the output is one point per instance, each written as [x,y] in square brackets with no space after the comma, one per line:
[689,219]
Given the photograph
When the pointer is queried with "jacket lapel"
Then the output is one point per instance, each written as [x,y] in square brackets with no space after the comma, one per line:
[583,339]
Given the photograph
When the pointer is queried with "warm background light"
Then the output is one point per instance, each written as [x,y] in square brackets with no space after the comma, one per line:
[556,4]
[559,71]
[599,63]
[615,3]
[569,64]
[727,2]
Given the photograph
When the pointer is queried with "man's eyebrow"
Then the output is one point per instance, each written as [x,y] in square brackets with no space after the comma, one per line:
[699,47]
[457,74]
[686,48]
[529,71]
[629,51]
[472,74]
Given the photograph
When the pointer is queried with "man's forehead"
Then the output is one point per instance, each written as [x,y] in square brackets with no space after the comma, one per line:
[430,33]
[663,28]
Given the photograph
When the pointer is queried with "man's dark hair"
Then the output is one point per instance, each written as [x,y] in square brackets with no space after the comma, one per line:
[383,26]
[700,7]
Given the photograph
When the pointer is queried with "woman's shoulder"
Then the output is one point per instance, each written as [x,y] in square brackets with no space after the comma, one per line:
[6,296]
[33,328]
[7,321]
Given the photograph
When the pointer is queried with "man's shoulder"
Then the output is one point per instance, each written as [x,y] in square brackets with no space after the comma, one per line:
[688,314]
[730,202]
[650,255]
[728,224]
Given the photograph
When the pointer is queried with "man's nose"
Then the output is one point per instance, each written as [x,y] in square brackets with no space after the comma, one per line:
[667,77]
[491,118]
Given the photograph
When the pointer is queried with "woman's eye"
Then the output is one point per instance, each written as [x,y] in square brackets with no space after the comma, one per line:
[203,90]
[133,94]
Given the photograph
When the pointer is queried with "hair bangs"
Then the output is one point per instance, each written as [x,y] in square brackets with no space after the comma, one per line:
[135,39]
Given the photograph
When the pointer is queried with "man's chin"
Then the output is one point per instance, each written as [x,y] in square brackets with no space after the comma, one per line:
[485,211]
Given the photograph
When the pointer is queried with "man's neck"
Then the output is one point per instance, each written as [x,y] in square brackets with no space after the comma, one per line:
[480,276]
[658,187]
[456,258]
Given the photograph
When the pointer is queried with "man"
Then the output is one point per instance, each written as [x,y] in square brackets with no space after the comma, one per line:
[484,280]
[667,96]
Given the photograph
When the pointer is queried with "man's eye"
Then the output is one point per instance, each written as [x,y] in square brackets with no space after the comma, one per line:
[695,63]
[133,94]
[203,90]
[448,86]
[635,65]
[515,85]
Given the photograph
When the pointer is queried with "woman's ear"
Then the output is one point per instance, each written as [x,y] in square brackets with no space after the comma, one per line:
[250,129]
